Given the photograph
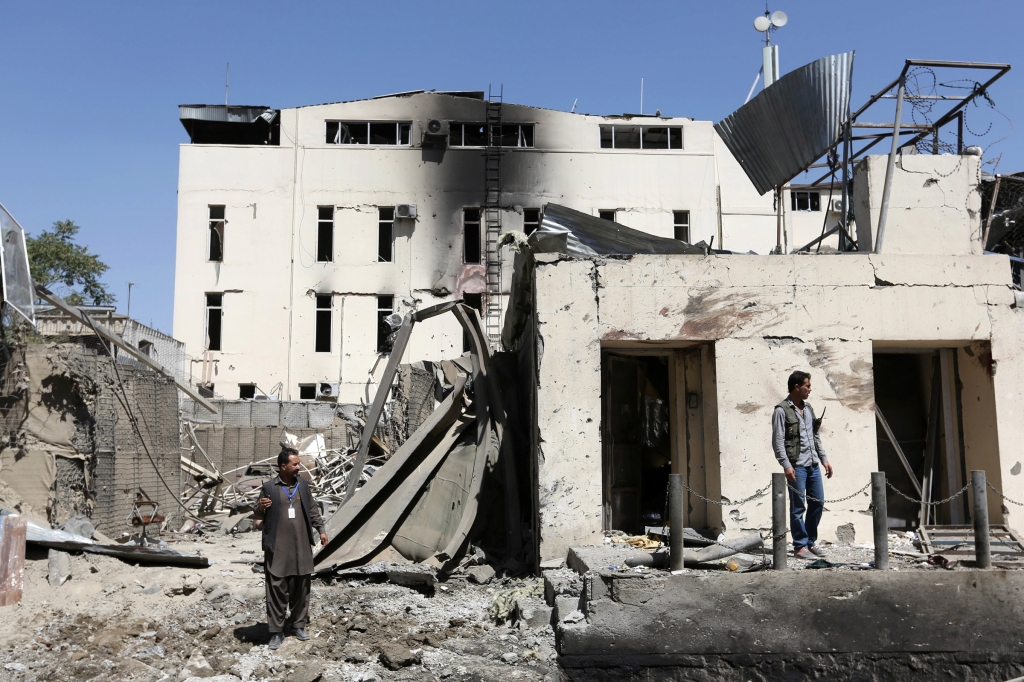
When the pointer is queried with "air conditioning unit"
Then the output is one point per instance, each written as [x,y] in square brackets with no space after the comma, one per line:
[436,128]
[405,211]
[327,389]
[836,205]
[435,134]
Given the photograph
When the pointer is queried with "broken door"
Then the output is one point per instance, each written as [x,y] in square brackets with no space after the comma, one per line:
[624,380]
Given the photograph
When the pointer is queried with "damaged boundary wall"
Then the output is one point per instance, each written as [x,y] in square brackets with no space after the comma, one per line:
[756,319]
[68,446]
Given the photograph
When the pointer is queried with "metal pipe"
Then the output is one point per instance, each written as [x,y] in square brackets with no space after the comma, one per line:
[960,132]
[843,246]
[890,168]
[881,520]
[982,548]
[676,522]
[779,521]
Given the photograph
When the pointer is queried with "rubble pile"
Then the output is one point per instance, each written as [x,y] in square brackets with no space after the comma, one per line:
[110,620]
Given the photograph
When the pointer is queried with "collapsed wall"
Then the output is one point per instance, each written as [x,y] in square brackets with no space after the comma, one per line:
[70,446]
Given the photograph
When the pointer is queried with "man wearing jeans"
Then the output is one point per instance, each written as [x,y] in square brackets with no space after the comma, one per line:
[798,448]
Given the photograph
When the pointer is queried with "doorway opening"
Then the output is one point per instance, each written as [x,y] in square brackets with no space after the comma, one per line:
[658,417]
[935,422]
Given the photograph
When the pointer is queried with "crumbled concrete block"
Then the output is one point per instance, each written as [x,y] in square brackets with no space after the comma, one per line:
[197,666]
[564,581]
[60,567]
[481,575]
[845,534]
[533,612]
[307,672]
[395,657]
[80,525]
[411,575]
[565,605]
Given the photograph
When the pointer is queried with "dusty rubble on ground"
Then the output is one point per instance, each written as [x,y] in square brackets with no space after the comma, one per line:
[113,621]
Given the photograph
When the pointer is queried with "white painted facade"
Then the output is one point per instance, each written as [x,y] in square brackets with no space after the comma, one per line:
[269,275]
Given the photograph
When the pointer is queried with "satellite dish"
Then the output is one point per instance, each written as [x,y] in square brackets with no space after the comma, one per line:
[762,24]
[779,19]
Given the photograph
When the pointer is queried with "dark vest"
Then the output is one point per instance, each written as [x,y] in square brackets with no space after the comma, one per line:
[279,499]
[793,429]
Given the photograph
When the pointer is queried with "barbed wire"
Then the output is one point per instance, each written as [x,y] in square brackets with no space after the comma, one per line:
[999,492]
[932,504]
[841,499]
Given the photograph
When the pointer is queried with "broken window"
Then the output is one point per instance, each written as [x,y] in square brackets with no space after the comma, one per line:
[471,235]
[386,235]
[805,201]
[385,133]
[325,234]
[475,135]
[606,214]
[216,250]
[681,225]
[531,220]
[323,323]
[214,316]
[246,391]
[307,391]
[385,308]
[476,302]
[147,347]
[641,137]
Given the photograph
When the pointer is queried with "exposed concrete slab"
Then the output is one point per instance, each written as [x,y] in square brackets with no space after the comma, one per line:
[601,557]
[657,620]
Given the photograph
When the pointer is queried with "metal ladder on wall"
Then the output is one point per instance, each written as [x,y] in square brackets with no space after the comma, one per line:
[492,218]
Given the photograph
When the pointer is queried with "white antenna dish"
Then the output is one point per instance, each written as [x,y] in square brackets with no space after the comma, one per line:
[762,24]
[779,19]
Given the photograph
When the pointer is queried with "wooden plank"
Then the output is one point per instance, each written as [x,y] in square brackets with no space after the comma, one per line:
[951,429]
[899,450]
[12,559]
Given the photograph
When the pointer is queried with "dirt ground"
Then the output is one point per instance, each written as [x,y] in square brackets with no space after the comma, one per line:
[114,621]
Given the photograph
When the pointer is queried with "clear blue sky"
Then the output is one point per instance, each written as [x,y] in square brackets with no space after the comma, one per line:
[89,90]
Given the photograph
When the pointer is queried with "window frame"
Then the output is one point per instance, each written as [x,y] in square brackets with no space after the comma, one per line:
[810,196]
[521,137]
[401,128]
[246,386]
[676,224]
[669,128]
[381,223]
[602,213]
[530,226]
[215,226]
[466,222]
[323,323]
[312,389]
[321,223]
[383,312]
[207,340]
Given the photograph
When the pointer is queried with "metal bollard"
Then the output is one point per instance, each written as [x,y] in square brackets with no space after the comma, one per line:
[881,520]
[676,522]
[979,514]
[779,512]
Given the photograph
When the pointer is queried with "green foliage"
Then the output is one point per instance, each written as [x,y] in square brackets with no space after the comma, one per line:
[58,262]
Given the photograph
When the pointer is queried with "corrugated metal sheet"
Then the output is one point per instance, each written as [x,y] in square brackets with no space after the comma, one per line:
[790,123]
[223,114]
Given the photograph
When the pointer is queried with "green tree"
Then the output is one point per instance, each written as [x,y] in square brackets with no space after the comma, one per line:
[58,262]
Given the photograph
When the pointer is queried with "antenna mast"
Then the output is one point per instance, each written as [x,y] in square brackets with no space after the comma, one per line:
[771,21]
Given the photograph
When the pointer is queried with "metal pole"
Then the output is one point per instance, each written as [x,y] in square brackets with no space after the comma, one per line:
[779,521]
[881,519]
[991,210]
[675,521]
[892,162]
[960,133]
[778,219]
[982,548]
[846,185]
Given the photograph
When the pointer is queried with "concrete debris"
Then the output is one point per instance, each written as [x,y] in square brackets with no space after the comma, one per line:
[79,525]
[412,575]
[197,666]
[533,612]
[395,657]
[60,567]
[481,575]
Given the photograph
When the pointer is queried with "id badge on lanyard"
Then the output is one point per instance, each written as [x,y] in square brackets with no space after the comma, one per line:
[291,509]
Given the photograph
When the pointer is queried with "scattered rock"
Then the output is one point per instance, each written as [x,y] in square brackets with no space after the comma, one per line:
[212,631]
[354,654]
[358,624]
[162,634]
[152,589]
[395,657]
[197,666]
[60,567]
[411,575]
[79,655]
[481,575]
[510,657]
[79,525]
[218,593]
[434,639]
[845,534]
[307,672]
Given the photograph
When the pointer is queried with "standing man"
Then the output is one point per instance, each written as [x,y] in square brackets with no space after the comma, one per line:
[288,537]
[798,448]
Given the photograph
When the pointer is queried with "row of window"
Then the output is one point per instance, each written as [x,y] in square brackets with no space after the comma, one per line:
[323,334]
[471,230]
[474,134]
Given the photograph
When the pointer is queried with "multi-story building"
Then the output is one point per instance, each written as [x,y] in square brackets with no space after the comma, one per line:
[300,231]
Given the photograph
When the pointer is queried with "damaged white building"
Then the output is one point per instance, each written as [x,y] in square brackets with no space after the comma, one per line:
[301,230]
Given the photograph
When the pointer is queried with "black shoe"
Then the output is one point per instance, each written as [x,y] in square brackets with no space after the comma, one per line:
[276,640]
[300,634]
